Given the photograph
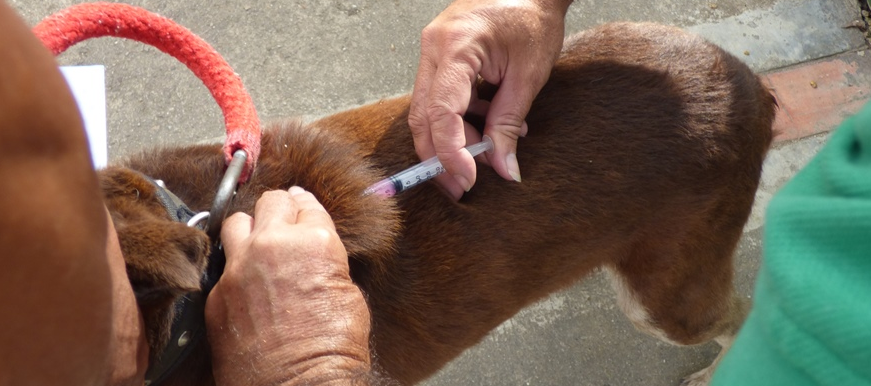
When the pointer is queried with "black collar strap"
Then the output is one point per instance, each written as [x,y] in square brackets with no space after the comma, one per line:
[188,327]
[175,208]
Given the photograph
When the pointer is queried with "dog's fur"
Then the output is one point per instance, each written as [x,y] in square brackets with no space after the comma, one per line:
[643,156]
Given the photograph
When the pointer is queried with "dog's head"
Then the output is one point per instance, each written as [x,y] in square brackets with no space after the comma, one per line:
[165,258]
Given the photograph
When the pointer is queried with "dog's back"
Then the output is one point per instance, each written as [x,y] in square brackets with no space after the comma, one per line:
[643,156]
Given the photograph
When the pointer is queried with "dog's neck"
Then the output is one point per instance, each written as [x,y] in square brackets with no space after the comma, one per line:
[335,170]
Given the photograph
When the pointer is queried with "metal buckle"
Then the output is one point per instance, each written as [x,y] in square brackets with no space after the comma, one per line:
[198,218]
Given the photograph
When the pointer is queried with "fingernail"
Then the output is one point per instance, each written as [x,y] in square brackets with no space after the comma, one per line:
[295,190]
[513,167]
[524,129]
[464,183]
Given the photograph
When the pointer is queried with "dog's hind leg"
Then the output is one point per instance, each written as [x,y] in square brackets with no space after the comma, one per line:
[679,289]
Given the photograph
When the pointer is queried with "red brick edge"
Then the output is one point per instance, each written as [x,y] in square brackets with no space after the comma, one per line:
[815,97]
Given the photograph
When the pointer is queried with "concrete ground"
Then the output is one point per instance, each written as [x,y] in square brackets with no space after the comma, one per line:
[309,58]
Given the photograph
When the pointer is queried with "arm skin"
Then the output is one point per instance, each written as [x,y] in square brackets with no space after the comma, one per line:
[66,307]
[285,311]
[510,43]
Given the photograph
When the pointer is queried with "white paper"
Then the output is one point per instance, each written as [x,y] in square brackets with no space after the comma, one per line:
[88,84]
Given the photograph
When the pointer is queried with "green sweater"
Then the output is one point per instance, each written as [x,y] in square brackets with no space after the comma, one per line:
[811,319]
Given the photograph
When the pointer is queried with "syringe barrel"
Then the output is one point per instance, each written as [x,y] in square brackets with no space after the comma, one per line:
[421,172]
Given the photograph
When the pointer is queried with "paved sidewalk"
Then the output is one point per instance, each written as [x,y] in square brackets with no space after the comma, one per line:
[814,97]
[312,57]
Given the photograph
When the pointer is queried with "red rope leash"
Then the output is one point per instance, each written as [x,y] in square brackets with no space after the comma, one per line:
[79,22]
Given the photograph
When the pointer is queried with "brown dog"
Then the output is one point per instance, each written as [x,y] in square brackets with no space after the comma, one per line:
[643,156]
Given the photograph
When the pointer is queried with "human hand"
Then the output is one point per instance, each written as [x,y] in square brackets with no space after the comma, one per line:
[512,44]
[285,310]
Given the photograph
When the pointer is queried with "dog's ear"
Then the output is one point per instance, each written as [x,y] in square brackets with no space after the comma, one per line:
[165,259]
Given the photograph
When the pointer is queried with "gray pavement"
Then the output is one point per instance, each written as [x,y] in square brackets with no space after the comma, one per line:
[310,58]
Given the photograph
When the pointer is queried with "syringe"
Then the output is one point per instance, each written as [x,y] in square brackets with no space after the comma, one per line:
[420,173]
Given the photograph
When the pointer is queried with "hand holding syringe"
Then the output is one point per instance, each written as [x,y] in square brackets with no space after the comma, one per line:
[420,173]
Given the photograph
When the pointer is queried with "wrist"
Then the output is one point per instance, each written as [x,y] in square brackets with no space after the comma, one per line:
[293,366]
[305,344]
[560,5]
[328,370]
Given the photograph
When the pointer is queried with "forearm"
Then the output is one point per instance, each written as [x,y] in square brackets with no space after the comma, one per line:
[55,287]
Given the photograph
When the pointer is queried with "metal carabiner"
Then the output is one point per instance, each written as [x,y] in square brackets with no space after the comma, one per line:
[226,191]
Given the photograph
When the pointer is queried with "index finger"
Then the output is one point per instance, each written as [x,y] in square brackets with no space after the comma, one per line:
[274,208]
[310,211]
[234,231]
[418,121]
[450,93]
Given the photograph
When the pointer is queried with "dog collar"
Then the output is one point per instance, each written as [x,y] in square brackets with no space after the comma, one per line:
[188,327]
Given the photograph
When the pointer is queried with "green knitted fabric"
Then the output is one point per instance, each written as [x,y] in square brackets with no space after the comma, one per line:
[811,319]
